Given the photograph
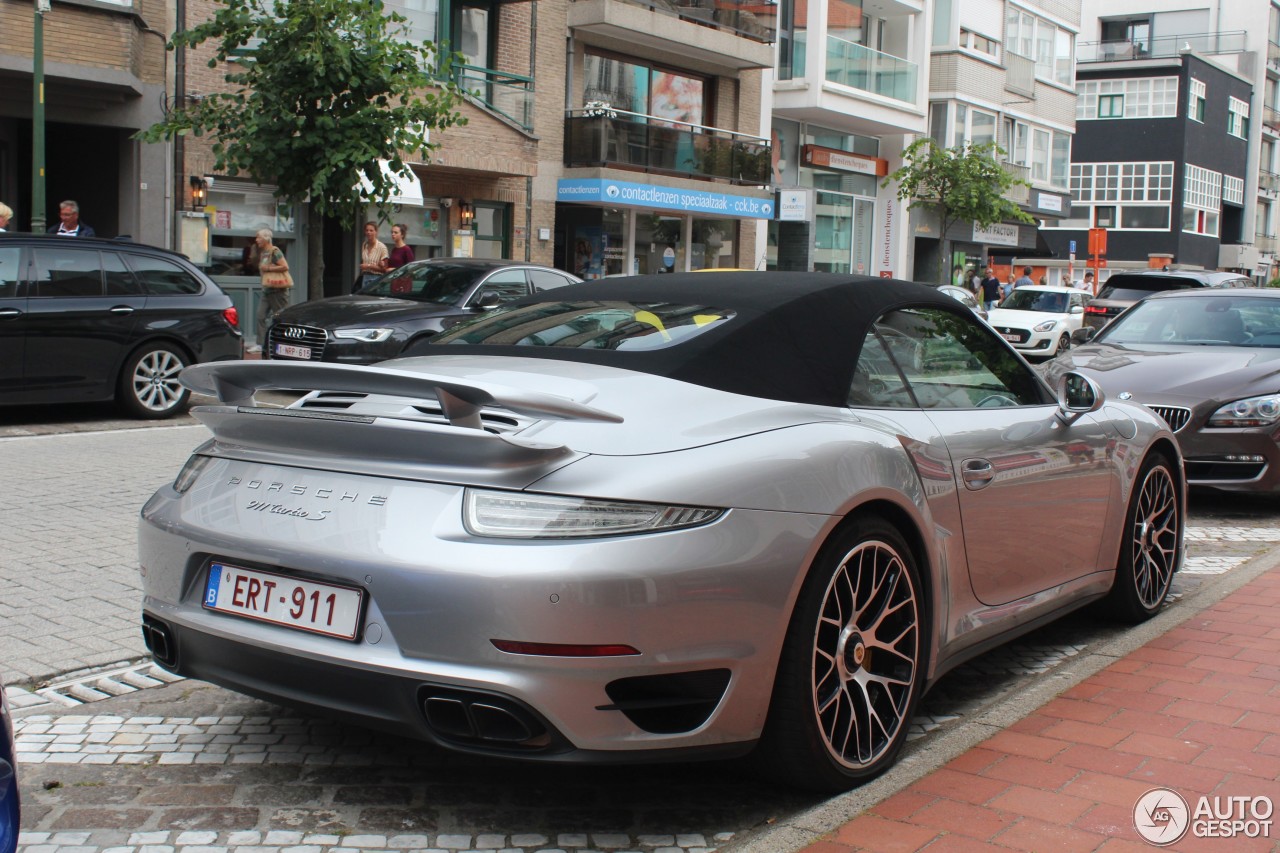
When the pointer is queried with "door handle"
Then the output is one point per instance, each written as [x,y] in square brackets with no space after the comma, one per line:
[9,313]
[977,473]
[122,309]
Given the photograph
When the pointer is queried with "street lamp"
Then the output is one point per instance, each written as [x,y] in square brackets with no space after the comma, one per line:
[37,120]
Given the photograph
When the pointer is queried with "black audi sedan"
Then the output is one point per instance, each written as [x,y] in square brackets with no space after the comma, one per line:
[86,320]
[403,307]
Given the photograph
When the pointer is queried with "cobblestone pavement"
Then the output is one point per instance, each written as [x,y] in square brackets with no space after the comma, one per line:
[117,755]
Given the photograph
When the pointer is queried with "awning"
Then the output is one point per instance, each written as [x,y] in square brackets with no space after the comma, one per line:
[408,190]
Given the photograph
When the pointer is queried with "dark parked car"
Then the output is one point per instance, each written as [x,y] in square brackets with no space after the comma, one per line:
[1123,289]
[1205,361]
[83,320]
[403,307]
[9,806]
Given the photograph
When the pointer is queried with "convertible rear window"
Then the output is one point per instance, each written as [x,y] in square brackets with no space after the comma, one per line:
[629,326]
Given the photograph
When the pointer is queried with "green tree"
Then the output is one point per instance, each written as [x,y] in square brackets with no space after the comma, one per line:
[320,91]
[967,183]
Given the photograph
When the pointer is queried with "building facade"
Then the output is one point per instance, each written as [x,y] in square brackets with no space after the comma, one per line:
[1160,160]
[105,79]
[849,92]
[1241,36]
[1004,72]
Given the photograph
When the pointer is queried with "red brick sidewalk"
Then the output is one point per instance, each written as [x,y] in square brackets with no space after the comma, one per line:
[1196,710]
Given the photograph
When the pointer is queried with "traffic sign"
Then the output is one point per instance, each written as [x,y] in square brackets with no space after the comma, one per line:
[1071,247]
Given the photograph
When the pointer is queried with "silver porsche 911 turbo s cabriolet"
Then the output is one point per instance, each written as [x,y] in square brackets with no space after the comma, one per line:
[654,518]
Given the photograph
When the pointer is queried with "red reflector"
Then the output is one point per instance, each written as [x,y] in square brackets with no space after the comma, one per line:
[232,316]
[564,650]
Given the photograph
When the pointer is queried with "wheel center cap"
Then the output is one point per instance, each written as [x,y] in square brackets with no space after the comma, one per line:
[859,654]
[855,652]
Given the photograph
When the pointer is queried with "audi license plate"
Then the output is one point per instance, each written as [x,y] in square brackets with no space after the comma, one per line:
[1009,337]
[306,605]
[291,351]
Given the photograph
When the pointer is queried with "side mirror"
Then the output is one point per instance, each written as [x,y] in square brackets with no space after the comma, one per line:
[1077,395]
[1083,335]
[487,301]
[1077,309]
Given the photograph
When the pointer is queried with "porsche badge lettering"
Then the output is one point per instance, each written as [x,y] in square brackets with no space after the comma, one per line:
[275,487]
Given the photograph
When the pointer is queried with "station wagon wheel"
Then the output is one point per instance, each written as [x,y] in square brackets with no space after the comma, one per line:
[149,386]
[1152,543]
[852,668]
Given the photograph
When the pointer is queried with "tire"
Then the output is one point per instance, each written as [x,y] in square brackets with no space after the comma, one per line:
[149,387]
[1064,344]
[852,665]
[1152,544]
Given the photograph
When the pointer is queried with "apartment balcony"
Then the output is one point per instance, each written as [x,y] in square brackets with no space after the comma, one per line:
[1271,118]
[1266,242]
[1268,181]
[859,67]
[1019,193]
[712,35]
[1273,52]
[1020,74]
[625,140]
[508,95]
[1228,41]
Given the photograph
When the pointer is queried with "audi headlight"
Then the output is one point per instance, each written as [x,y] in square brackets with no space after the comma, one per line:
[1046,326]
[512,515]
[369,336]
[1250,412]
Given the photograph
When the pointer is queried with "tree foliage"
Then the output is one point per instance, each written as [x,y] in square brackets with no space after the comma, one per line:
[319,91]
[959,184]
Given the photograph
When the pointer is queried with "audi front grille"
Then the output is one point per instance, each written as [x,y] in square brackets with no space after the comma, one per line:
[286,334]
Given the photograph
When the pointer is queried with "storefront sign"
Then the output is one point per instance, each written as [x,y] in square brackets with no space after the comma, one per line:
[622,193]
[843,161]
[888,235]
[1050,202]
[793,204]
[996,234]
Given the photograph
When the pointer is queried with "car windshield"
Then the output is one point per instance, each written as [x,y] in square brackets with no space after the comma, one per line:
[1228,320]
[444,283]
[588,325]
[1036,300]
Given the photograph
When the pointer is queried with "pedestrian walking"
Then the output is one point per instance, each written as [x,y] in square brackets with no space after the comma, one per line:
[373,256]
[990,289]
[403,252]
[1024,280]
[6,213]
[276,283]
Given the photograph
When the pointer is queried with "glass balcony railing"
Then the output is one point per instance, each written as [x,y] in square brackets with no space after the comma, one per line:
[870,70]
[510,95]
[637,141]
[1230,41]
[1268,181]
[1271,117]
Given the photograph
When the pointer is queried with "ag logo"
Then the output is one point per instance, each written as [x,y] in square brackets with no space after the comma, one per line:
[1161,816]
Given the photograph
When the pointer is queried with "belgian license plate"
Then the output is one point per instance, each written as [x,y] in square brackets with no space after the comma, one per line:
[306,605]
[1009,337]
[291,351]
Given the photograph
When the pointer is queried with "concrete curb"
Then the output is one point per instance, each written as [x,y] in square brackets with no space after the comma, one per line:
[931,753]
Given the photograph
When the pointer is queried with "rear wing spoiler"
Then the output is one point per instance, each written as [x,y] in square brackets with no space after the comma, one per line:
[235,382]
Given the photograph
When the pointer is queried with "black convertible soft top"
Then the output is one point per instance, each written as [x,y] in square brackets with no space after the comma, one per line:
[795,336]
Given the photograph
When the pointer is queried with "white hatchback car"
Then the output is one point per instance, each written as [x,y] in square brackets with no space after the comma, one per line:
[1038,321]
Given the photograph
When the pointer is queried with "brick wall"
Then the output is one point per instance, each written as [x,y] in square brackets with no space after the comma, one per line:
[90,37]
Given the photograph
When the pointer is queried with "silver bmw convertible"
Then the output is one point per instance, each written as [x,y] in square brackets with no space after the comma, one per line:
[655,518]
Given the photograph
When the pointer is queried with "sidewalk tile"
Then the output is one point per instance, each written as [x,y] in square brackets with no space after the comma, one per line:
[1157,746]
[978,822]
[1026,771]
[1097,735]
[1045,805]
[1074,709]
[1105,788]
[873,833]
[963,787]
[1158,773]
[1107,819]
[1100,760]
[1041,837]
[1016,743]
[903,804]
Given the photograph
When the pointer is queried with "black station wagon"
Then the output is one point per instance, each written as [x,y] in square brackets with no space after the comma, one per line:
[86,320]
